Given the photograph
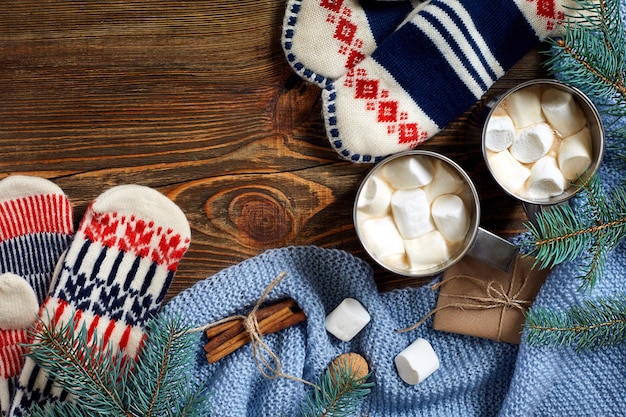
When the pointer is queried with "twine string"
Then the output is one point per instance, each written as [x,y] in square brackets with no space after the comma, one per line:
[495,296]
[266,361]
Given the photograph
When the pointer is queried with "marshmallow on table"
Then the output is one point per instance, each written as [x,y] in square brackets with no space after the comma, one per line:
[445,181]
[532,143]
[409,172]
[375,196]
[426,251]
[546,180]
[574,155]
[450,217]
[500,133]
[562,111]
[509,172]
[411,212]
[524,106]
[417,362]
[347,319]
[381,237]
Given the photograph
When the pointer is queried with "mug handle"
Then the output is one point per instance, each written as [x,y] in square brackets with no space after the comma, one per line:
[493,250]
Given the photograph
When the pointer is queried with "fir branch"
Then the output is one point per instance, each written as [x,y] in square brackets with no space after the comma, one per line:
[593,325]
[161,374]
[339,393]
[105,384]
[82,370]
[585,236]
[591,53]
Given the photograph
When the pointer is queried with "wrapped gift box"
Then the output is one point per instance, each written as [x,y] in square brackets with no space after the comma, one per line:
[478,300]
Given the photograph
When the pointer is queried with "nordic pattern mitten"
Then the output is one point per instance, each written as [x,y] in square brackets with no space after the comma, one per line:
[36,223]
[323,39]
[113,279]
[429,71]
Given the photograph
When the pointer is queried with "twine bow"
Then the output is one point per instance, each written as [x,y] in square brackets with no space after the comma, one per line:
[266,361]
[495,296]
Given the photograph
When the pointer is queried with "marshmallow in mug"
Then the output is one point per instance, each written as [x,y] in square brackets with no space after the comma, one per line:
[412,214]
[538,141]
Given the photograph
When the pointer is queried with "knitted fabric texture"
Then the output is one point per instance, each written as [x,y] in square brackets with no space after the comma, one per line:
[323,39]
[36,224]
[561,382]
[429,71]
[114,277]
[474,374]
[477,377]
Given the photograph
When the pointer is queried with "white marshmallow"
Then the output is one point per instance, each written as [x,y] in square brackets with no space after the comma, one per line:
[409,171]
[532,143]
[397,263]
[509,172]
[500,133]
[417,362]
[450,217]
[445,181]
[562,111]
[426,251]
[524,107]
[411,212]
[546,180]
[375,196]
[381,237]
[574,155]
[347,319]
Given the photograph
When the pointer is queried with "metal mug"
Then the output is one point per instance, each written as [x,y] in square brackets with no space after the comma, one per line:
[596,129]
[478,243]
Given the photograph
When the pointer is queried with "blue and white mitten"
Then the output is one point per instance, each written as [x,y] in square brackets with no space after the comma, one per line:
[323,39]
[429,71]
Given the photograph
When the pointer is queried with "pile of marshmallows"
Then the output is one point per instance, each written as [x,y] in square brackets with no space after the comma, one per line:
[414,364]
[412,213]
[537,142]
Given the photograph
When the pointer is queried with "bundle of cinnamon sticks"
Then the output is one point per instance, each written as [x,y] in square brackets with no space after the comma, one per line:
[227,337]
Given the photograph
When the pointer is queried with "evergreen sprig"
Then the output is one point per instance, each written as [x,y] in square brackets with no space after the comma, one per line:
[591,53]
[340,392]
[105,384]
[585,236]
[592,325]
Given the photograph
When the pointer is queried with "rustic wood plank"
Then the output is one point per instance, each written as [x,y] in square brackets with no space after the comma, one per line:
[196,100]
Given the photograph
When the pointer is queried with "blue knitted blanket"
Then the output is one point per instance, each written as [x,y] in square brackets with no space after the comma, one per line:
[477,377]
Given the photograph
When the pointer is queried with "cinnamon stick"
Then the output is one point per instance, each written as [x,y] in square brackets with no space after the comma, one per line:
[270,319]
[222,333]
[242,338]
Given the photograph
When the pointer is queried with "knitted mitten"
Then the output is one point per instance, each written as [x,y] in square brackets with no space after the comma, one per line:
[35,228]
[323,39]
[429,71]
[114,277]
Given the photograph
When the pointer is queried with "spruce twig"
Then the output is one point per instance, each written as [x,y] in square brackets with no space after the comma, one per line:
[84,371]
[585,236]
[340,391]
[103,384]
[591,53]
[592,325]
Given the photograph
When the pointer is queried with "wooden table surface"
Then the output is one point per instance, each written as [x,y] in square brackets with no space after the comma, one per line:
[196,100]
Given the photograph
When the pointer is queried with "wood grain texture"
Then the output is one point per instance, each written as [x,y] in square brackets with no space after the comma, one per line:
[196,100]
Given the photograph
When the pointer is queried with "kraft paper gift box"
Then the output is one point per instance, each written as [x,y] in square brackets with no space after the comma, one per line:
[476,299]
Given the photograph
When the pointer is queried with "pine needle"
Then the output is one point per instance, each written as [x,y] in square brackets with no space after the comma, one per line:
[594,324]
[339,394]
[103,384]
[82,370]
[584,237]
